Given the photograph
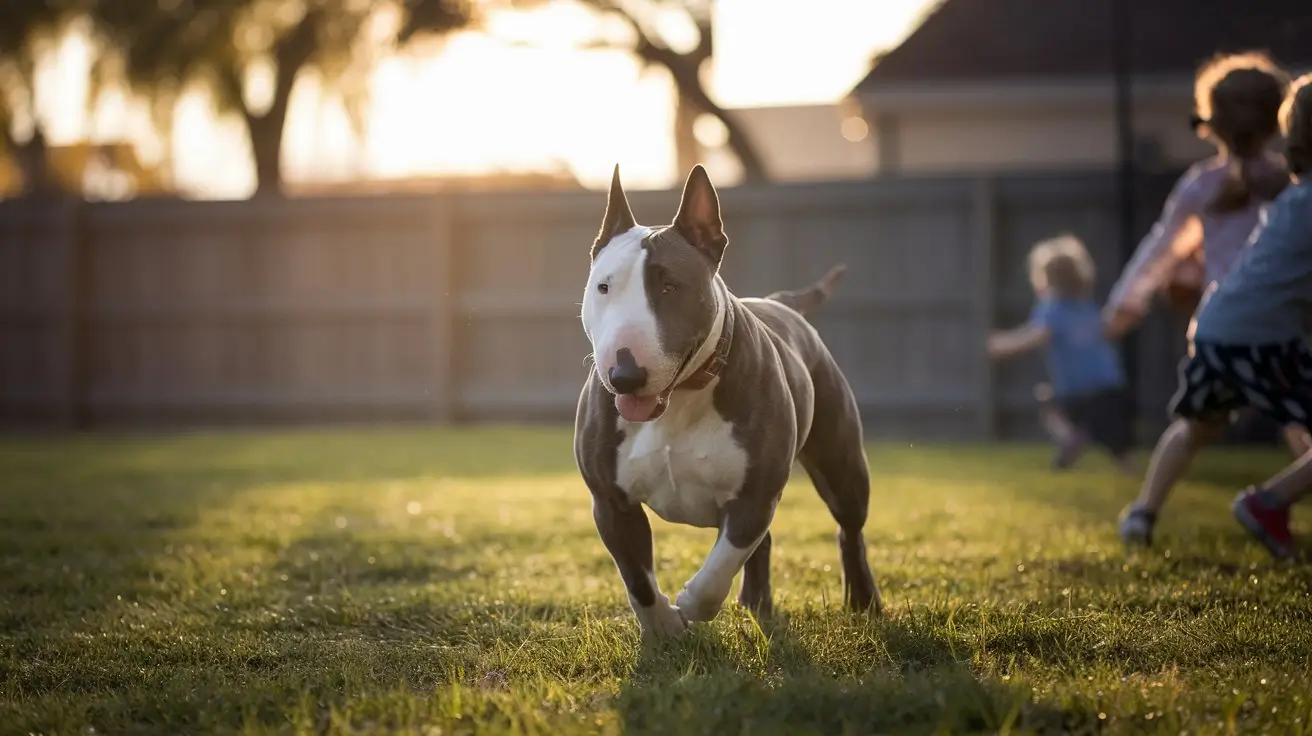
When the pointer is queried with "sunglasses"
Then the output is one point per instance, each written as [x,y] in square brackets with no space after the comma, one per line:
[1197,121]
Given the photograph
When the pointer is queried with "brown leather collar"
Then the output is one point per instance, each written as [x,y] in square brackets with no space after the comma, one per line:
[710,370]
[707,371]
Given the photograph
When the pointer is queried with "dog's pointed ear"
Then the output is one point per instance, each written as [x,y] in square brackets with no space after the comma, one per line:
[698,219]
[618,219]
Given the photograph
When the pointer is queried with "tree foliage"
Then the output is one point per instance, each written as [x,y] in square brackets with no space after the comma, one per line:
[164,47]
[683,61]
[28,28]
[685,68]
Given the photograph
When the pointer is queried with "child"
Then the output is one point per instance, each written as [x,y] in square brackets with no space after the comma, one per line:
[1220,199]
[1216,204]
[1247,347]
[1088,399]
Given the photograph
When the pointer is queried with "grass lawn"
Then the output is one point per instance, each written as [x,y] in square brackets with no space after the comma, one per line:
[431,581]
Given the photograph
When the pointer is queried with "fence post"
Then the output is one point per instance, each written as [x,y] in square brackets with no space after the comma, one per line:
[73,334]
[983,215]
[445,309]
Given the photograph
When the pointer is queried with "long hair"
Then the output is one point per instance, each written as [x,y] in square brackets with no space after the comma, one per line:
[1238,98]
[1061,266]
[1296,123]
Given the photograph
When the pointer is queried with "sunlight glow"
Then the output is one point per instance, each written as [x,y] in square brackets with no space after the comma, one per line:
[787,52]
[516,113]
[520,98]
[855,129]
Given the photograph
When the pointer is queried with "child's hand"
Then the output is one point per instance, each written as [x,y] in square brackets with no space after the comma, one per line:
[1006,343]
[1118,321]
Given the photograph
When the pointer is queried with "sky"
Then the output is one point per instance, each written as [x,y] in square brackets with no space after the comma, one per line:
[520,97]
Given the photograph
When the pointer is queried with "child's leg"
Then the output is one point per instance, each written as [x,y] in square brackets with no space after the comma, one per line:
[1054,421]
[1171,458]
[1296,439]
[1280,379]
[1070,438]
[1264,512]
[1292,484]
[1206,397]
[1057,425]
[1060,428]
[1108,418]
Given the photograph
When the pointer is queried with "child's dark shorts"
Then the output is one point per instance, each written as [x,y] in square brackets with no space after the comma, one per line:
[1275,379]
[1104,416]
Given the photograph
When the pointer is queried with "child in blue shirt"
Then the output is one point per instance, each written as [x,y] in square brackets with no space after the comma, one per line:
[1247,347]
[1088,401]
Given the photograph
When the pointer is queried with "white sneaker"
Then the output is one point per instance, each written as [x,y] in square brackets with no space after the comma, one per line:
[1136,527]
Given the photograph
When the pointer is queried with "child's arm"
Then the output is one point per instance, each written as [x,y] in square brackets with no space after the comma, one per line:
[1175,235]
[1117,322]
[1023,339]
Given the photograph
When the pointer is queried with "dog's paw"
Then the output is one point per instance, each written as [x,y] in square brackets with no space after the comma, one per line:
[660,620]
[695,608]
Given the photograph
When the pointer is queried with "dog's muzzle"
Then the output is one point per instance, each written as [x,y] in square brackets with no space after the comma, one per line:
[626,376]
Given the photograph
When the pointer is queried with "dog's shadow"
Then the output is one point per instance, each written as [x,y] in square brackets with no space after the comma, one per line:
[883,675]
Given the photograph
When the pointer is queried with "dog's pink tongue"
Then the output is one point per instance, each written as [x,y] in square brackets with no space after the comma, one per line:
[636,408]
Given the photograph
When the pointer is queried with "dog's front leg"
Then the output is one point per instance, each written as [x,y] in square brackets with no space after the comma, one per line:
[745,523]
[625,531]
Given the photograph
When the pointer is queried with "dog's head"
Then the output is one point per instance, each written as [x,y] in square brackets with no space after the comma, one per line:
[651,299]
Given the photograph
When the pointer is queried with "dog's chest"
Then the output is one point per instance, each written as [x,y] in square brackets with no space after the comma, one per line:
[686,465]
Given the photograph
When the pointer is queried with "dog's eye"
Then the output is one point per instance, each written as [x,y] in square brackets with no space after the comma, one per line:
[603,287]
[667,288]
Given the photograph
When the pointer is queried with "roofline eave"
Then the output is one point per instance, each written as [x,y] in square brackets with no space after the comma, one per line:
[956,94]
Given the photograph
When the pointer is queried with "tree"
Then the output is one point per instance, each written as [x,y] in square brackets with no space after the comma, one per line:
[684,67]
[27,29]
[165,46]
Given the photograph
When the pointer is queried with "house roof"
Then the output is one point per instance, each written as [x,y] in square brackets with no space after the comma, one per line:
[1001,40]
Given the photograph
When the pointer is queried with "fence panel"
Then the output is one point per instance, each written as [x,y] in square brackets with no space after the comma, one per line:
[466,307]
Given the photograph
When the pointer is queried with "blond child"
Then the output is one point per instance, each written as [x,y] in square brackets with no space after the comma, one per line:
[1247,346]
[1088,398]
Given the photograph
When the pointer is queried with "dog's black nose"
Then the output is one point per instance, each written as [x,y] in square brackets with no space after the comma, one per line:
[625,376]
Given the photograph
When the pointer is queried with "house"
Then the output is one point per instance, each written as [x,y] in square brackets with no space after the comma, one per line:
[799,143]
[1029,84]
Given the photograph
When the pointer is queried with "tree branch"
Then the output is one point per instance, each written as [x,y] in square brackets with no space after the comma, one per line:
[685,69]
[642,40]
[292,52]
[7,142]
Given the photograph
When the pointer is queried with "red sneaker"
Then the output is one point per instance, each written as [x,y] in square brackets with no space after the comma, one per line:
[1267,522]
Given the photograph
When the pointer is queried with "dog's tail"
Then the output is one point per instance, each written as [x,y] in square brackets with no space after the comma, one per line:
[810,298]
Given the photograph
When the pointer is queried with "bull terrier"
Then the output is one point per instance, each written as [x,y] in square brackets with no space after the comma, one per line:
[698,406]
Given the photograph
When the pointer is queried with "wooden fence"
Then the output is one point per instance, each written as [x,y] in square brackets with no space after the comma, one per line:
[465,308]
